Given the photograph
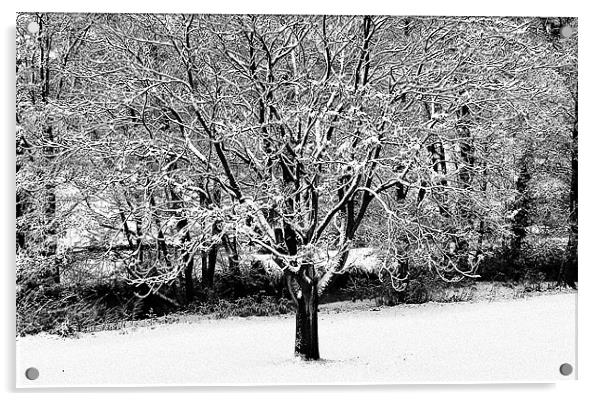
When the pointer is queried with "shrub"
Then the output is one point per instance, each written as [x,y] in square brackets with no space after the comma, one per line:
[256,305]
[250,279]
[252,306]
[540,260]
[361,285]
[66,309]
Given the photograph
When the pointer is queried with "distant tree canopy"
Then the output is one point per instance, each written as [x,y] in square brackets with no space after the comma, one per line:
[438,140]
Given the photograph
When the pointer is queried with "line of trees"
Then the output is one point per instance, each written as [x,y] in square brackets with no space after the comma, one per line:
[170,137]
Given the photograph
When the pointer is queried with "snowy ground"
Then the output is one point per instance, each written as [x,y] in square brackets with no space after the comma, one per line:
[512,340]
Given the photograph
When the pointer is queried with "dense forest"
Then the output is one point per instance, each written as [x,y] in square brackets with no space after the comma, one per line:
[197,162]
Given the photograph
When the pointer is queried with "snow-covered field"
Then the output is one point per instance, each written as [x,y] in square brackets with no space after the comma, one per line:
[513,340]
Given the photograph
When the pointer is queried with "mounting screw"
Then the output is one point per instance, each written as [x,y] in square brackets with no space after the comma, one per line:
[32,373]
[33,27]
[566,369]
[566,31]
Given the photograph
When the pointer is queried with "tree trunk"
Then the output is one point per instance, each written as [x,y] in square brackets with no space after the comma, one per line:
[21,197]
[187,257]
[437,153]
[568,273]
[50,239]
[306,332]
[230,246]
[465,176]
[188,279]
[20,233]
[210,256]
[208,267]
[523,205]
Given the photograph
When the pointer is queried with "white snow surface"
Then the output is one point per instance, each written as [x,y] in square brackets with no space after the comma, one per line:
[522,340]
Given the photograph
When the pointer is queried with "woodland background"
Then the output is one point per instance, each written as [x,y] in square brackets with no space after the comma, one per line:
[247,165]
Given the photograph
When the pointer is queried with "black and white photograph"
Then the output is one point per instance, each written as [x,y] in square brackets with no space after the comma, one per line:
[295,199]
